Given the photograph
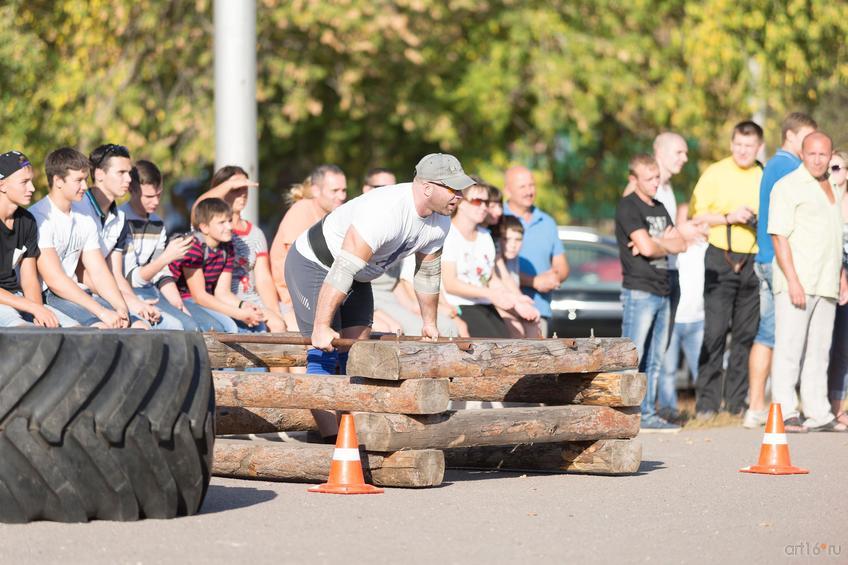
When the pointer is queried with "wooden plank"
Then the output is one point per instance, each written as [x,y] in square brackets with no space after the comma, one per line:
[251,420]
[500,426]
[238,356]
[308,462]
[411,360]
[330,392]
[600,389]
[601,457]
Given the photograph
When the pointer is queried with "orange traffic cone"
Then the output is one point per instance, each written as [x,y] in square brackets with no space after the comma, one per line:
[346,468]
[774,454]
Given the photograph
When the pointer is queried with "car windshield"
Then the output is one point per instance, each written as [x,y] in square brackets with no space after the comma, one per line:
[593,265]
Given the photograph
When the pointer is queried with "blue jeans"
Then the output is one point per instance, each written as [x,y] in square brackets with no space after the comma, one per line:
[172,317]
[77,312]
[837,370]
[210,320]
[765,331]
[646,322]
[687,336]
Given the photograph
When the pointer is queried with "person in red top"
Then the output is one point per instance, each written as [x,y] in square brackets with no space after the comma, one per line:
[251,280]
[204,274]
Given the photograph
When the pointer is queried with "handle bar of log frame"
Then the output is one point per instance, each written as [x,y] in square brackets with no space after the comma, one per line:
[463,344]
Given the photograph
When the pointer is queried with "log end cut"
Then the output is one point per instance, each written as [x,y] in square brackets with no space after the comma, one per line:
[374,360]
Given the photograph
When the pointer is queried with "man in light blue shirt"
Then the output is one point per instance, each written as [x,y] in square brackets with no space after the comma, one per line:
[795,128]
[542,261]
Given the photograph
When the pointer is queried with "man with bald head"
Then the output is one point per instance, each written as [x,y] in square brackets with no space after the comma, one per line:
[805,224]
[542,261]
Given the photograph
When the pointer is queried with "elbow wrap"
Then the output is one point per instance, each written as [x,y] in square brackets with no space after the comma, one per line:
[344,268]
[428,276]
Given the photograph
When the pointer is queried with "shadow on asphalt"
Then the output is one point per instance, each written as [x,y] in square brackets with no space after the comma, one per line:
[463,475]
[648,466]
[220,498]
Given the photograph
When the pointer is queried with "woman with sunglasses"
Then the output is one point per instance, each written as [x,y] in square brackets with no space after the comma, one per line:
[468,269]
[837,373]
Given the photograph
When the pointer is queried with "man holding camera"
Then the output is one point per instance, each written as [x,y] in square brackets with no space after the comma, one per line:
[727,199]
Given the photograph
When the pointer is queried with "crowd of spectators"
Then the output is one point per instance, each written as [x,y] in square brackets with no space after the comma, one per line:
[756,260]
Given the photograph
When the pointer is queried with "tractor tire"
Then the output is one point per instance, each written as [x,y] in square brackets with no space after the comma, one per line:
[108,425]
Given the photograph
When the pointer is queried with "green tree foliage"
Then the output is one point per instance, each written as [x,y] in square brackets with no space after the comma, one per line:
[572,88]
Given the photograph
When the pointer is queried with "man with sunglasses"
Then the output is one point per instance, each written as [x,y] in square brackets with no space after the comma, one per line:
[111,166]
[329,268]
[796,126]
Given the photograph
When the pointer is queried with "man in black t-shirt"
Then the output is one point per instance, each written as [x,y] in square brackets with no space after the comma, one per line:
[646,236]
[20,298]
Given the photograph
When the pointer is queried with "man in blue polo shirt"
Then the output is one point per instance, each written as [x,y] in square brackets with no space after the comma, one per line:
[542,261]
[795,128]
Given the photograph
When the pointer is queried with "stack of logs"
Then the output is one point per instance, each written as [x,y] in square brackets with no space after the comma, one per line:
[399,392]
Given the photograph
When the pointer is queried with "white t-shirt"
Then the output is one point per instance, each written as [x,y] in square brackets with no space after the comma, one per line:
[388,222]
[690,265]
[113,233]
[475,261]
[665,195]
[69,234]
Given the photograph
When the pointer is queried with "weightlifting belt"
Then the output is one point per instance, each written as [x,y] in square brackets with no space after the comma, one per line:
[318,243]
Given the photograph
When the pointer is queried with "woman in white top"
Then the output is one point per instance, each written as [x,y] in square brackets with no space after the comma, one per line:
[468,269]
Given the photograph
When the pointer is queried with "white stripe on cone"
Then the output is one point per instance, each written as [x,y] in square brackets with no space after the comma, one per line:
[346,454]
[774,439]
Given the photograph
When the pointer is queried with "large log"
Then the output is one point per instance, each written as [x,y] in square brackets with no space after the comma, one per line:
[411,360]
[323,392]
[500,426]
[245,420]
[599,389]
[602,457]
[311,463]
[236,355]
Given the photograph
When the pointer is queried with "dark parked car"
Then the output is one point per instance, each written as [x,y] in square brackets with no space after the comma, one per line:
[590,299]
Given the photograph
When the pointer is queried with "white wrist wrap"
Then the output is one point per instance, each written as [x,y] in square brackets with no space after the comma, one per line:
[428,276]
[344,268]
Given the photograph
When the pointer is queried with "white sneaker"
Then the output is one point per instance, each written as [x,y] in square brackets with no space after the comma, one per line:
[754,418]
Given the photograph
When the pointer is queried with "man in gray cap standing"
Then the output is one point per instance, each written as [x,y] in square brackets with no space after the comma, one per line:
[329,268]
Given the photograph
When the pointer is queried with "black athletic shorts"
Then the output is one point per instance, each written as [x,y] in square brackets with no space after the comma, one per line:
[305,278]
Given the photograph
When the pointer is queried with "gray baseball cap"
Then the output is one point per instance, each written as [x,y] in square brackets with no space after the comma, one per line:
[445,169]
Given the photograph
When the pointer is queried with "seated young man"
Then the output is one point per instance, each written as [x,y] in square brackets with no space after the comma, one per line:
[20,297]
[204,275]
[110,173]
[67,239]
[147,258]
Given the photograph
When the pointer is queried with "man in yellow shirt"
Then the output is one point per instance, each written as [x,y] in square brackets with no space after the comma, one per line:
[727,198]
[805,224]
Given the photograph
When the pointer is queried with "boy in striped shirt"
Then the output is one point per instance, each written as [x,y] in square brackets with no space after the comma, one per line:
[204,274]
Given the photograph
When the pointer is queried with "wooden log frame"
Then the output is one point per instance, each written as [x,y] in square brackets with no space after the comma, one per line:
[266,460]
[242,355]
[601,457]
[412,360]
[327,392]
[501,426]
[599,389]
[251,420]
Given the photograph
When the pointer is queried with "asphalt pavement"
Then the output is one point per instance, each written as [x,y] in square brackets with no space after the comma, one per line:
[688,504]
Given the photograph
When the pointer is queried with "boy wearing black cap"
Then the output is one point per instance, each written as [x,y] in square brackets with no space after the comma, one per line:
[20,296]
